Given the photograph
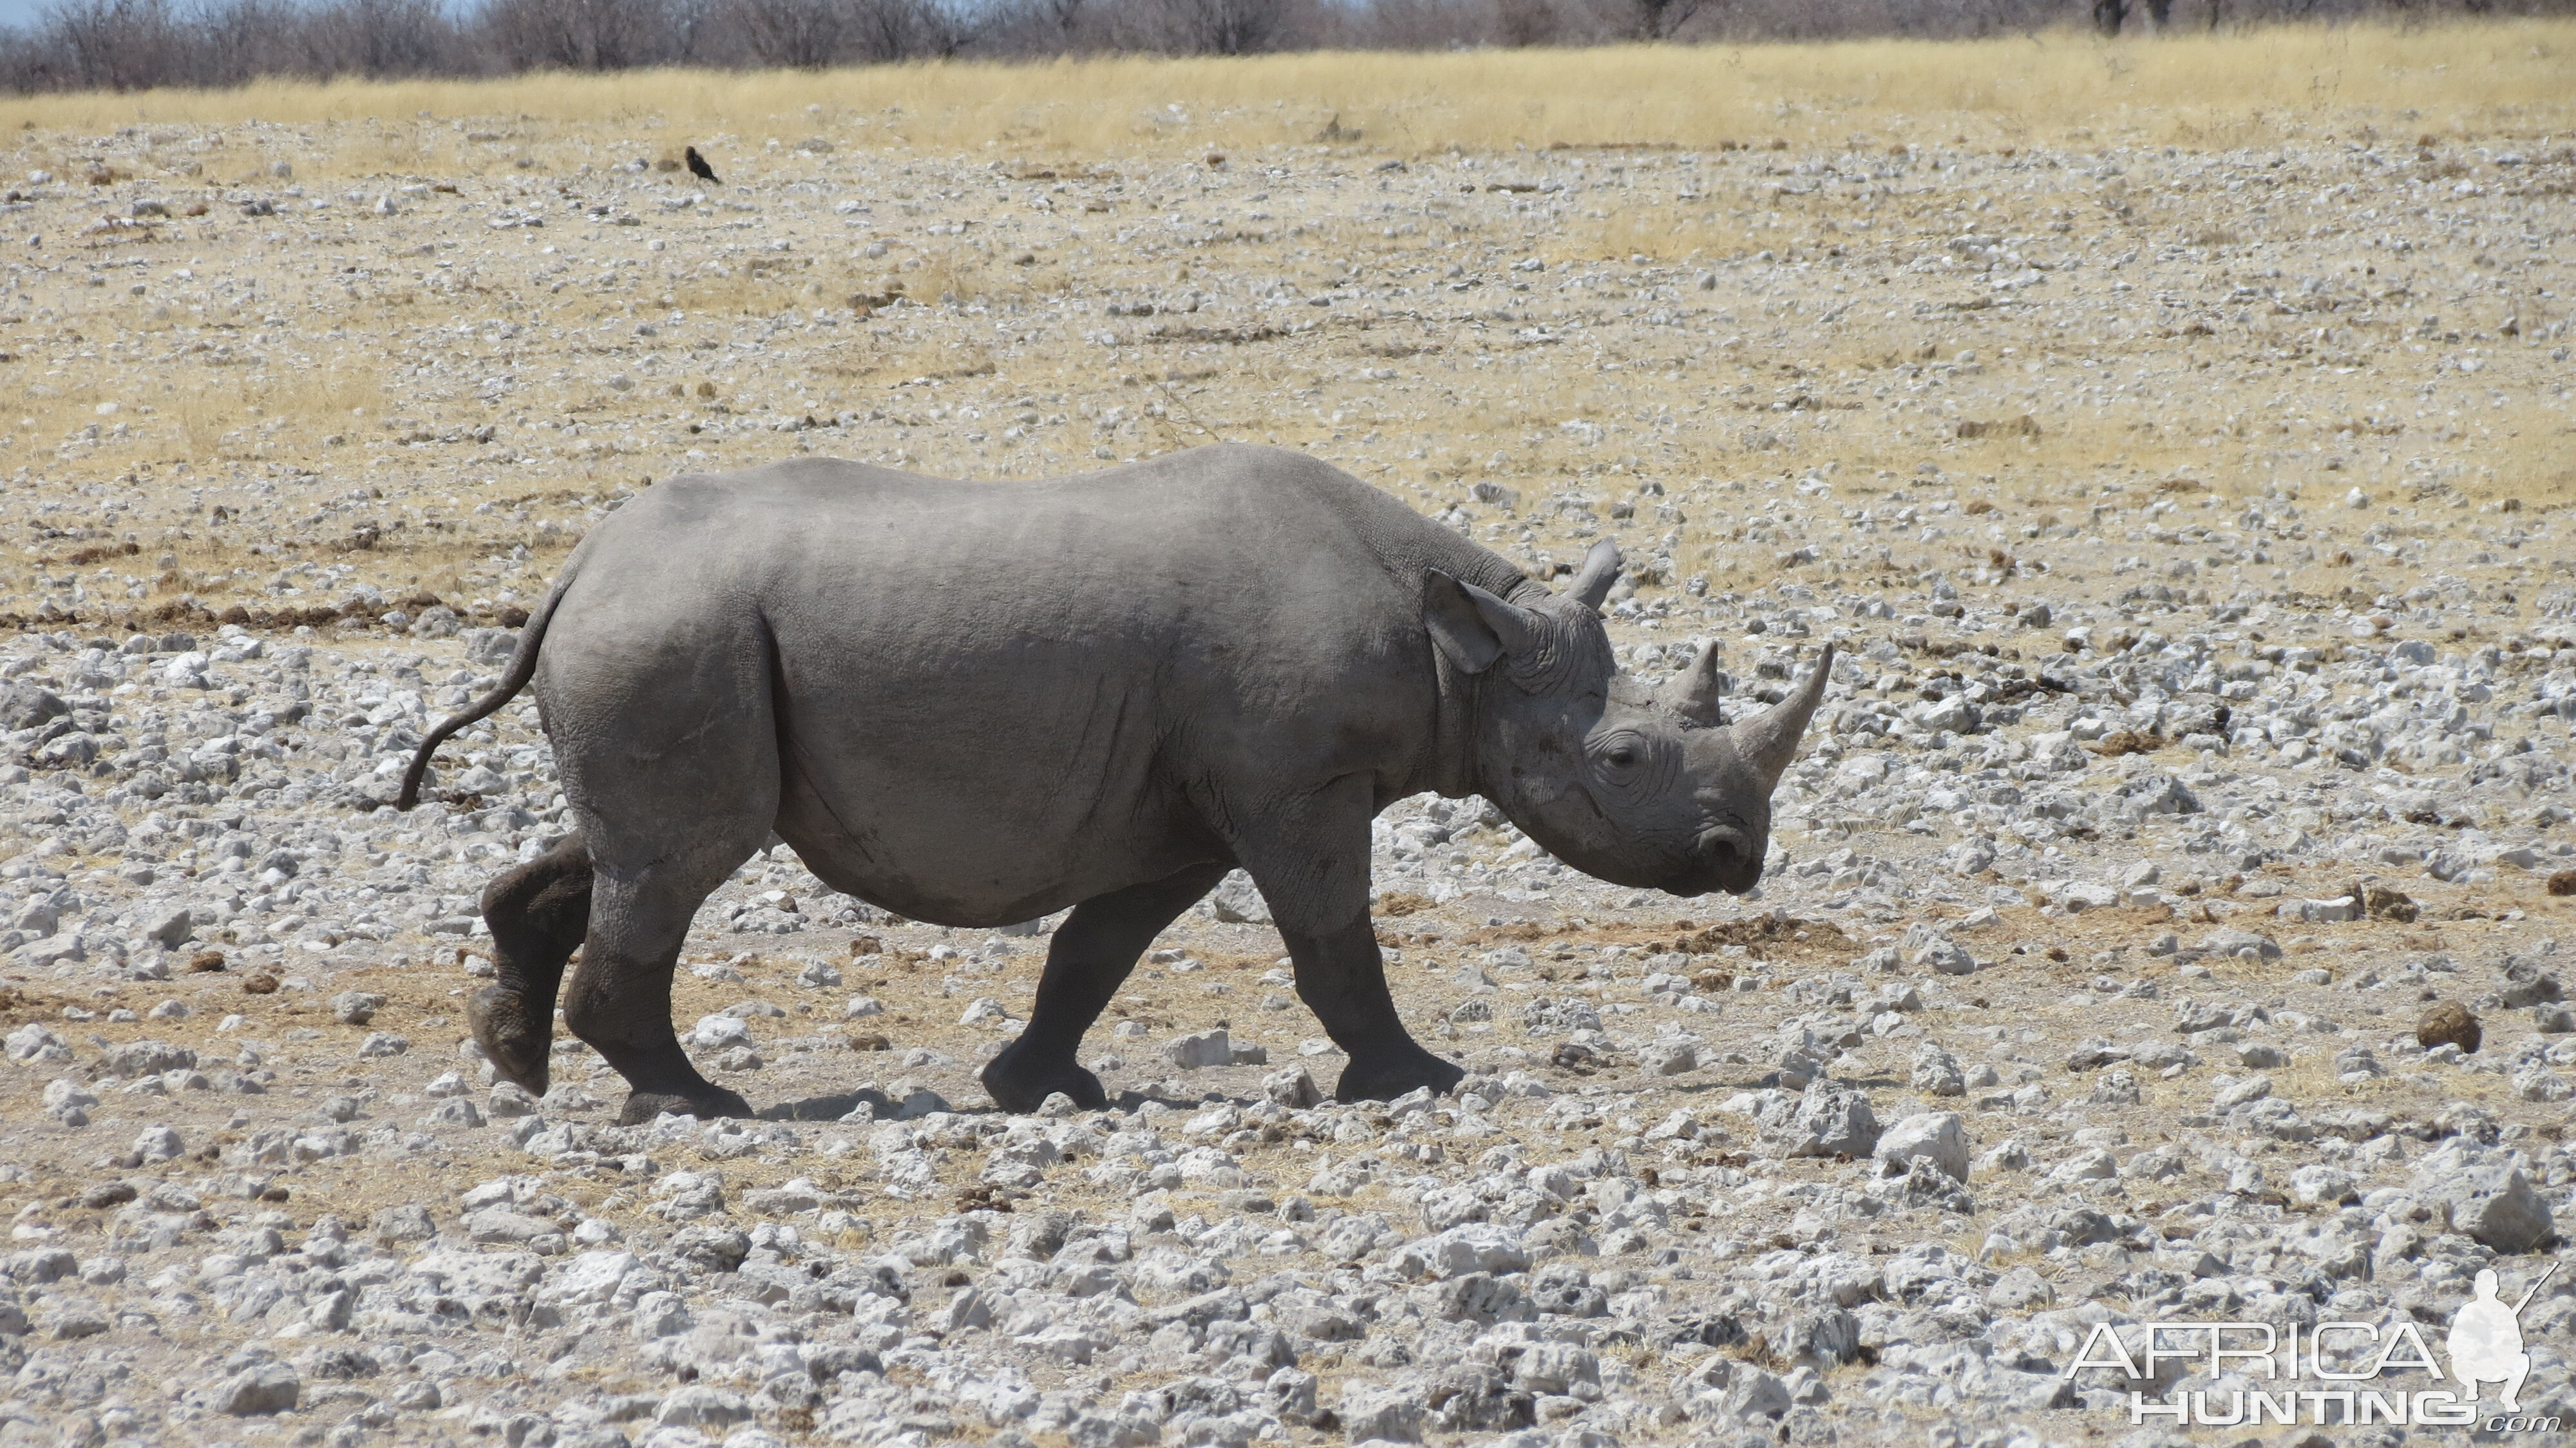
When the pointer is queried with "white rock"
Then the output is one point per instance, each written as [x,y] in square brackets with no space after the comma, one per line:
[159,1143]
[1199,1050]
[1938,1137]
[719,1031]
[661,1314]
[1473,1247]
[589,1278]
[1668,1058]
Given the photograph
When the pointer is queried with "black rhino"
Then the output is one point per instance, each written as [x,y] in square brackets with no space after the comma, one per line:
[975,704]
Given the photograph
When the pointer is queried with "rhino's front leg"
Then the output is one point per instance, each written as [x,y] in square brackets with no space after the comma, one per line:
[1311,861]
[1087,961]
[1342,979]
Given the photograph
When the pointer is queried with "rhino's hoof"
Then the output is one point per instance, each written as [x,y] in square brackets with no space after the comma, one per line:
[516,1046]
[1020,1086]
[643,1106]
[1386,1079]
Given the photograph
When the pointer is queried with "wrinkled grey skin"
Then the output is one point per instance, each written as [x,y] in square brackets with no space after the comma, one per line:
[976,704]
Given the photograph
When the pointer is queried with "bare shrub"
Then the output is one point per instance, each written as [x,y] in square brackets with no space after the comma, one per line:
[794,34]
[1213,27]
[577,34]
[114,44]
[380,39]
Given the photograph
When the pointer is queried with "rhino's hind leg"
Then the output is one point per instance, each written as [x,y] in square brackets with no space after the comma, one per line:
[538,913]
[658,695]
[620,997]
[1087,961]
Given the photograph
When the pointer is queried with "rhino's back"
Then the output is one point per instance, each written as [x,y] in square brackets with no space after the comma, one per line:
[1020,692]
[1254,505]
[1222,546]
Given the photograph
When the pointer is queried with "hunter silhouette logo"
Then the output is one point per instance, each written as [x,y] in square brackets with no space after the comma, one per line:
[2341,1373]
[2486,1340]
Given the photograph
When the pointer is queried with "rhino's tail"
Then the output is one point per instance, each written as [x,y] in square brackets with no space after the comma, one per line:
[523,666]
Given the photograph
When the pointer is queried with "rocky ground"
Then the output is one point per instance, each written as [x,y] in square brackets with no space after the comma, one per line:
[2164,923]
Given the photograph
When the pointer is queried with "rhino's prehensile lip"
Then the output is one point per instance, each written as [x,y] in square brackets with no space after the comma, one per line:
[1703,879]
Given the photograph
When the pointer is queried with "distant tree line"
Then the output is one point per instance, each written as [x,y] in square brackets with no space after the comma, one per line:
[132,44]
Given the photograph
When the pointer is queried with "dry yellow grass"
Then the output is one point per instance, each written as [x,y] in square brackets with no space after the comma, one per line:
[291,362]
[2200,89]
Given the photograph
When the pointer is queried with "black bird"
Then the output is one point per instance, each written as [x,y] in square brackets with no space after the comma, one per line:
[699,168]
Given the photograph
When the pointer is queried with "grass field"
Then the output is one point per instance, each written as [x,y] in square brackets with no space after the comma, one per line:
[2202,90]
[1774,257]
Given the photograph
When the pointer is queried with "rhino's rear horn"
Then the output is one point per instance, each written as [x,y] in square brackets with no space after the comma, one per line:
[1693,692]
[1600,570]
[1769,741]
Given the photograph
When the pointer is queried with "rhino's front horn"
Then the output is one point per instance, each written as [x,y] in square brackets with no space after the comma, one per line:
[1600,570]
[1769,741]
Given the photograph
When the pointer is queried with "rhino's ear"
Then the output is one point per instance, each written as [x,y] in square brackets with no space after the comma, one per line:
[1693,693]
[1471,626]
[1600,570]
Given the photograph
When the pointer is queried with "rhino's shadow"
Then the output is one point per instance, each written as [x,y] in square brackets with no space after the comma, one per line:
[829,1108]
[840,1104]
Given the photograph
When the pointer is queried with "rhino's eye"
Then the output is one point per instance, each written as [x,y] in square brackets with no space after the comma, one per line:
[1623,757]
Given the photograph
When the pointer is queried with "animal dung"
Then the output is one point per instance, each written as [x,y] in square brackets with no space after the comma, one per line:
[2448,1023]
